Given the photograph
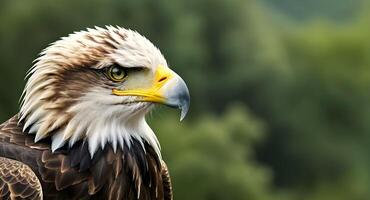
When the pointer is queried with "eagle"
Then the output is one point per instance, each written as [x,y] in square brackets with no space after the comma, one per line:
[81,131]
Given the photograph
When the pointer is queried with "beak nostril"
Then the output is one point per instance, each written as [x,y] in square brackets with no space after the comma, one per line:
[162,79]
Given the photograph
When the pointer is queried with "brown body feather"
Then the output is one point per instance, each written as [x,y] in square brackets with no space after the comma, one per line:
[130,173]
[18,181]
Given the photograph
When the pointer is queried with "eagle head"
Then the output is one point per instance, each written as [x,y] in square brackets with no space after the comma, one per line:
[97,86]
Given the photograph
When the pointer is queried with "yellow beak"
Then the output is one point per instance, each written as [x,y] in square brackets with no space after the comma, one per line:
[168,89]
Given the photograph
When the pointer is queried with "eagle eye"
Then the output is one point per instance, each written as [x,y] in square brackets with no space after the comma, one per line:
[116,73]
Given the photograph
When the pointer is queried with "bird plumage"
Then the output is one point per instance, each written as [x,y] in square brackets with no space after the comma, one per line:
[71,174]
[81,133]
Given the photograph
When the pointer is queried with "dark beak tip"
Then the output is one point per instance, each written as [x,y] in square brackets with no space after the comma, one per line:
[184,108]
[184,111]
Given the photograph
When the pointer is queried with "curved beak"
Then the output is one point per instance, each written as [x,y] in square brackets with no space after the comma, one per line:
[176,95]
[168,89]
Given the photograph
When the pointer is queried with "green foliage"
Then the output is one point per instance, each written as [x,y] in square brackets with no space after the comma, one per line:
[213,157]
[304,10]
[328,109]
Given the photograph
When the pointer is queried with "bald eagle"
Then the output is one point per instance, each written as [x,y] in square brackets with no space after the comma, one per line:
[81,131]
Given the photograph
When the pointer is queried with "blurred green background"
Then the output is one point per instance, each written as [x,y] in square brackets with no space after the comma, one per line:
[280,88]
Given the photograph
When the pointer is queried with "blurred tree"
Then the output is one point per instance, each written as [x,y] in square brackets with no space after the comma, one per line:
[319,137]
[213,158]
[338,10]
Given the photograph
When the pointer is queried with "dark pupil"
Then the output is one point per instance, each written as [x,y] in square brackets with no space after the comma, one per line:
[117,72]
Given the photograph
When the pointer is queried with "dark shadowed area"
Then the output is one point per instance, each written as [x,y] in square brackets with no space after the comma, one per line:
[280,89]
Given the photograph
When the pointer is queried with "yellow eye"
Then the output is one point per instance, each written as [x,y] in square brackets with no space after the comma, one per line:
[116,73]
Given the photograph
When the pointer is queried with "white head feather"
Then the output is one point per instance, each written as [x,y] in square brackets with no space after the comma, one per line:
[52,105]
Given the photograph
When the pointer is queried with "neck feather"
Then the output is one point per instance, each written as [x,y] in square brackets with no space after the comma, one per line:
[98,124]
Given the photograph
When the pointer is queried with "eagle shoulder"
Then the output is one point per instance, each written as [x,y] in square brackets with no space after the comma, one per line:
[134,172]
